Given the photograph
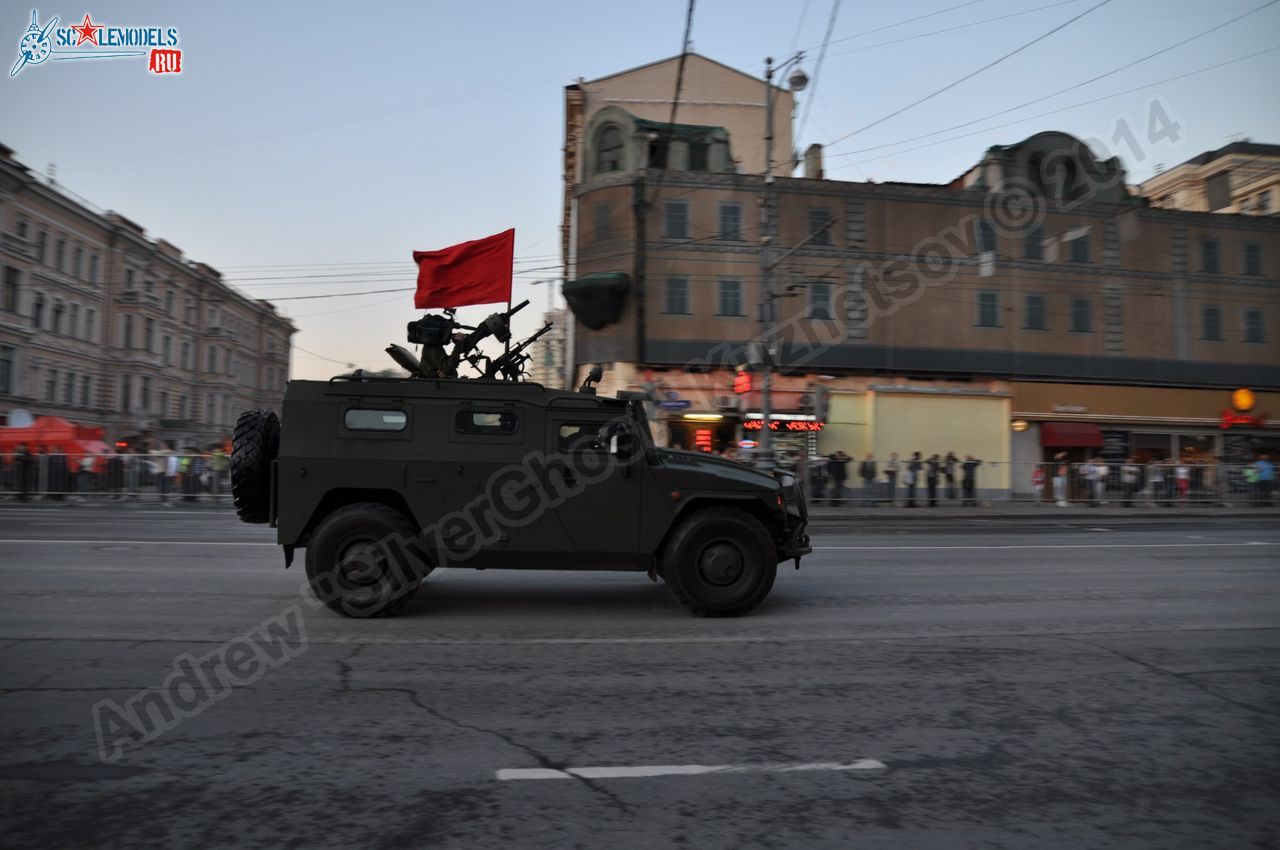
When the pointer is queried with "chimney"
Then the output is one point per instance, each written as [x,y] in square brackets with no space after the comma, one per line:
[813,162]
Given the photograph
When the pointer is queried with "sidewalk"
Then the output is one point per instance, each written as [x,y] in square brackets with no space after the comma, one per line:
[1028,510]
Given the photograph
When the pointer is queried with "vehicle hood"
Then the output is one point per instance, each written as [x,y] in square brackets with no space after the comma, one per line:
[707,471]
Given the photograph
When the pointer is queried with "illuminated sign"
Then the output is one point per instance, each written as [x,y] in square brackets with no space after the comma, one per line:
[1242,400]
[742,383]
[758,425]
[702,439]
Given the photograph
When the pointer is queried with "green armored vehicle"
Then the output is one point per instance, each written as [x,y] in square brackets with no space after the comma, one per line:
[382,480]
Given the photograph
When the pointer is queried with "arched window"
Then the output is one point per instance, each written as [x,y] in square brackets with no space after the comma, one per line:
[609,149]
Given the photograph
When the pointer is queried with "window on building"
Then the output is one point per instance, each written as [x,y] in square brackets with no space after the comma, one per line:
[1033,243]
[90,318]
[730,298]
[1035,319]
[93,268]
[820,301]
[164,404]
[42,245]
[128,279]
[819,219]
[986,237]
[1264,202]
[182,407]
[1081,315]
[698,156]
[51,387]
[988,310]
[1252,259]
[676,300]
[125,401]
[166,349]
[600,219]
[1253,328]
[68,389]
[77,261]
[149,335]
[190,317]
[74,329]
[211,360]
[60,254]
[1209,256]
[86,391]
[37,311]
[731,222]
[6,369]
[186,355]
[59,310]
[168,303]
[9,297]
[22,228]
[127,338]
[676,220]
[145,391]
[658,149]
[271,377]
[1211,322]
[1080,249]
[609,150]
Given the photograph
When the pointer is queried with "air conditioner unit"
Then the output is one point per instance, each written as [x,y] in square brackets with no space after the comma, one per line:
[727,402]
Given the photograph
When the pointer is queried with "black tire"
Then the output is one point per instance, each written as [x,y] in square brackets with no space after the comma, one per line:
[254,446]
[360,562]
[720,562]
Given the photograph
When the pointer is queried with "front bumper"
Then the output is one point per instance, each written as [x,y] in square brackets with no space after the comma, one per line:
[794,542]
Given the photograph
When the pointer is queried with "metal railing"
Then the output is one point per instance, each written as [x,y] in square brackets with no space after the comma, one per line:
[161,477]
[1148,485]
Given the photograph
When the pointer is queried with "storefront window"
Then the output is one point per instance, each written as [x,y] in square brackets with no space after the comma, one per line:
[1197,447]
[1152,447]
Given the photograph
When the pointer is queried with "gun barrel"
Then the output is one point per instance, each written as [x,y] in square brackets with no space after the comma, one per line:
[518,307]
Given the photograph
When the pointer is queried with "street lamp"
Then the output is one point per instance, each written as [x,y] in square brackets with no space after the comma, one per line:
[796,82]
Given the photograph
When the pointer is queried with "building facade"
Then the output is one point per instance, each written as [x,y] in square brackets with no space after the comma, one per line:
[1033,291]
[1242,177]
[103,326]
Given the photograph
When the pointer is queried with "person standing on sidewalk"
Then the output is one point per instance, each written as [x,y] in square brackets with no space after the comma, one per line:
[867,472]
[1265,476]
[1182,475]
[969,482]
[1037,484]
[838,469]
[1060,479]
[949,469]
[932,466]
[914,466]
[22,469]
[1129,481]
[891,474]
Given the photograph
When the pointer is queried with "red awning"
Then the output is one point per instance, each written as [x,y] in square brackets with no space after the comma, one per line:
[1066,434]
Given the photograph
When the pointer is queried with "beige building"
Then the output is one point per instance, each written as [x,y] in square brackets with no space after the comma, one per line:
[921,317]
[102,325]
[1242,177]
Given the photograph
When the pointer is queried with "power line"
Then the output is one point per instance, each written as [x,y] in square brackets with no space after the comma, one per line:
[1081,84]
[795,39]
[1038,115]
[910,21]
[973,74]
[675,103]
[817,69]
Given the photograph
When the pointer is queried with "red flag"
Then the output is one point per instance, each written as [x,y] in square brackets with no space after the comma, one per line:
[476,272]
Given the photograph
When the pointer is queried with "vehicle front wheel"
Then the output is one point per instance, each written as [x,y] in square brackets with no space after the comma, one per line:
[366,560]
[720,562]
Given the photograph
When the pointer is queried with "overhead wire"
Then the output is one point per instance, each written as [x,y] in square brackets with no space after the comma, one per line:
[972,74]
[817,69]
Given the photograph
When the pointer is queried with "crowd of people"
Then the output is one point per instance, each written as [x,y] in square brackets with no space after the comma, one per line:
[1163,482]
[923,481]
[170,474]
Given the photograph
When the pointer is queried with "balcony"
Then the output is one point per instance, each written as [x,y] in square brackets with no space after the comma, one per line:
[215,332]
[129,296]
[16,246]
[274,357]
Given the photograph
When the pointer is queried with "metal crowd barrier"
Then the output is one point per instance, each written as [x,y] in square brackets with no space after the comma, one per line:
[1147,485]
[165,478]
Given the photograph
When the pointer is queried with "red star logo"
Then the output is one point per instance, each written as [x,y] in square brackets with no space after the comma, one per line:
[87,31]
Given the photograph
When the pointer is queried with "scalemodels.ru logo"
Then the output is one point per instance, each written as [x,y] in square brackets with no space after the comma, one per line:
[90,40]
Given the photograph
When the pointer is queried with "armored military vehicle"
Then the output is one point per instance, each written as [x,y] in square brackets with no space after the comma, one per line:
[381,480]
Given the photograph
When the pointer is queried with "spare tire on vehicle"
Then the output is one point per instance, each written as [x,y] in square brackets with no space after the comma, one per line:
[254,446]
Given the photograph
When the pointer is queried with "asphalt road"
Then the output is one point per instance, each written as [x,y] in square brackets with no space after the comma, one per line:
[1033,685]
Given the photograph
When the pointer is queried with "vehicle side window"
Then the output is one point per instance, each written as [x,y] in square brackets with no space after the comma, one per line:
[486,422]
[358,419]
[580,437]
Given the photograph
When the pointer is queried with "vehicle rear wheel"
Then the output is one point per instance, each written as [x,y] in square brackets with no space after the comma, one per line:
[720,562]
[366,560]
[254,446]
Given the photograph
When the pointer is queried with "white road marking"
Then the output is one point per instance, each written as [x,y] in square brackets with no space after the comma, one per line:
[1050,546]
[646,771]
[65,541]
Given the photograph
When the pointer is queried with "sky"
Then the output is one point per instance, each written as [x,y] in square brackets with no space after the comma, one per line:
[308,149]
